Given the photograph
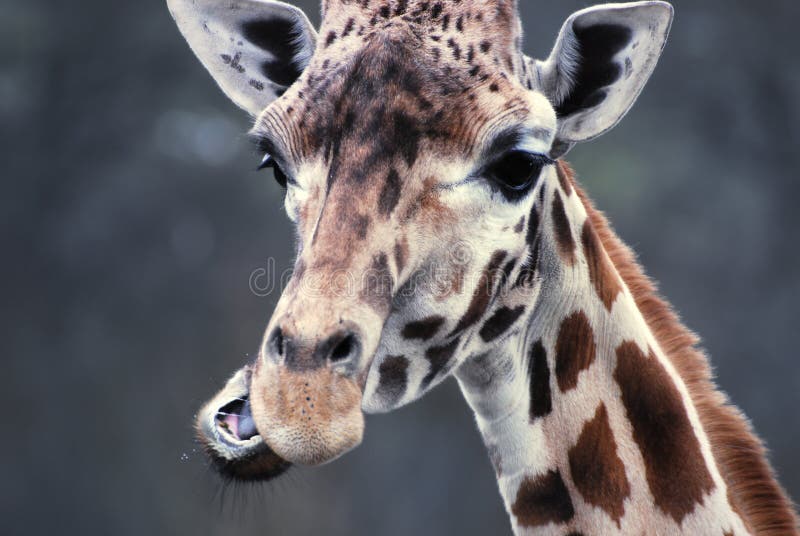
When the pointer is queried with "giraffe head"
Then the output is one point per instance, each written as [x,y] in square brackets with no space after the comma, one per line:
[414,140]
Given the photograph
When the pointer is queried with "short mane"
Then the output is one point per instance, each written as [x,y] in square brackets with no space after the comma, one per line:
[753,490]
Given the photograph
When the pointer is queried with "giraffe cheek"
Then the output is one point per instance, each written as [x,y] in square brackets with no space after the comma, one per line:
[309,417]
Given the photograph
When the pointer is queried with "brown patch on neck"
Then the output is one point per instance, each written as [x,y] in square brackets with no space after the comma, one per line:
[575,350]
[753,491]
[601,272]
[543,500]
[674,465]
[541,400]
[596,469]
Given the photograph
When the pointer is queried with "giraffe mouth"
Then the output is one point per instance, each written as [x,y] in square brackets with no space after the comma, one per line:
[226,429]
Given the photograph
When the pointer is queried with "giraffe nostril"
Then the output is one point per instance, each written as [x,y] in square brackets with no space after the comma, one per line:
[276,343]
[345,349]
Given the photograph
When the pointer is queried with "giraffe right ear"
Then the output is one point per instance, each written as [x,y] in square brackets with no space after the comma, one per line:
[601,62]
[254,49]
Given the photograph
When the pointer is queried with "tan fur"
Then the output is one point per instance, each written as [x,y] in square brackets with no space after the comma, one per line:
[307,417]
[753,490]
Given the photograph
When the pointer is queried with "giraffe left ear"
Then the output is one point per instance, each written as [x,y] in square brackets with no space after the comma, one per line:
[601,62]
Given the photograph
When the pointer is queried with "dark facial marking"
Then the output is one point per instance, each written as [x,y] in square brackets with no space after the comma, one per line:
[393,378]
[575,350]
[401,254]
[597,45]
[533,226]
[456,49]
[528,270]
[483,293]
[361,226]
[563,231]
[597,470]
[601,272]
[539,373]
[508,269]
[330,39]
[424,329]
[520,226]
[543,500]
[527,274]
[233,62]
[378,284]
[348,27]
[390,195]
[500,322]
[439,357]
[409,138]
[676,471]
[275,36]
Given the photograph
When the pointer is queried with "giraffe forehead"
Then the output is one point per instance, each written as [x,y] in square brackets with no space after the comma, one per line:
[374,74]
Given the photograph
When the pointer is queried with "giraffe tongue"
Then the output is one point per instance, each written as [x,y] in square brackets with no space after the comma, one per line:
[238,419]
[247,427]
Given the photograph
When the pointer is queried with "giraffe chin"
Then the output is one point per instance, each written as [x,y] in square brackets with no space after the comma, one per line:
[307,417]
[226,429]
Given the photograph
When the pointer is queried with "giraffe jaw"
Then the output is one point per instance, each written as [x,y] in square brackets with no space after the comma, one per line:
[226,429]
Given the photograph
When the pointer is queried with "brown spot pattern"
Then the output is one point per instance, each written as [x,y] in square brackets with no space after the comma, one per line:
[390,194]
[575,350]
[500,322]
[597,470]
[393,378]
[377,284]
[424,329]
[483,293]
[601,272]
[520,226]
[401,254]
[753,490]
[563,231]
[543,500]
[541,402]
[676,471]
[439,357]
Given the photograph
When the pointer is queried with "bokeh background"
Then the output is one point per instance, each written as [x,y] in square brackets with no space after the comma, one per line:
[132,220]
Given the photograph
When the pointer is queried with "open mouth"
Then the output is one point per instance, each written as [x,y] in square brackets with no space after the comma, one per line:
[235,421]
[228,432]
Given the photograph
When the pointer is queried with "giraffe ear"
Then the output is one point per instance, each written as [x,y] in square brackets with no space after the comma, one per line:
[254,49]
[601,62]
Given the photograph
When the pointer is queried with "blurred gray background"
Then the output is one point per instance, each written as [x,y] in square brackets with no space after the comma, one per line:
[132,220]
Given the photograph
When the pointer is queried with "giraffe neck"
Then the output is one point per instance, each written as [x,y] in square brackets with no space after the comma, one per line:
[589,426]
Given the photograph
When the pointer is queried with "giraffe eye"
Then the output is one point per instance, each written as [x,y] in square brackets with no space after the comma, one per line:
[518,170]
[280,176]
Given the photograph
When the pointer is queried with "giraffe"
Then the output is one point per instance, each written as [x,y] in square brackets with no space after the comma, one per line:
[440,233]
